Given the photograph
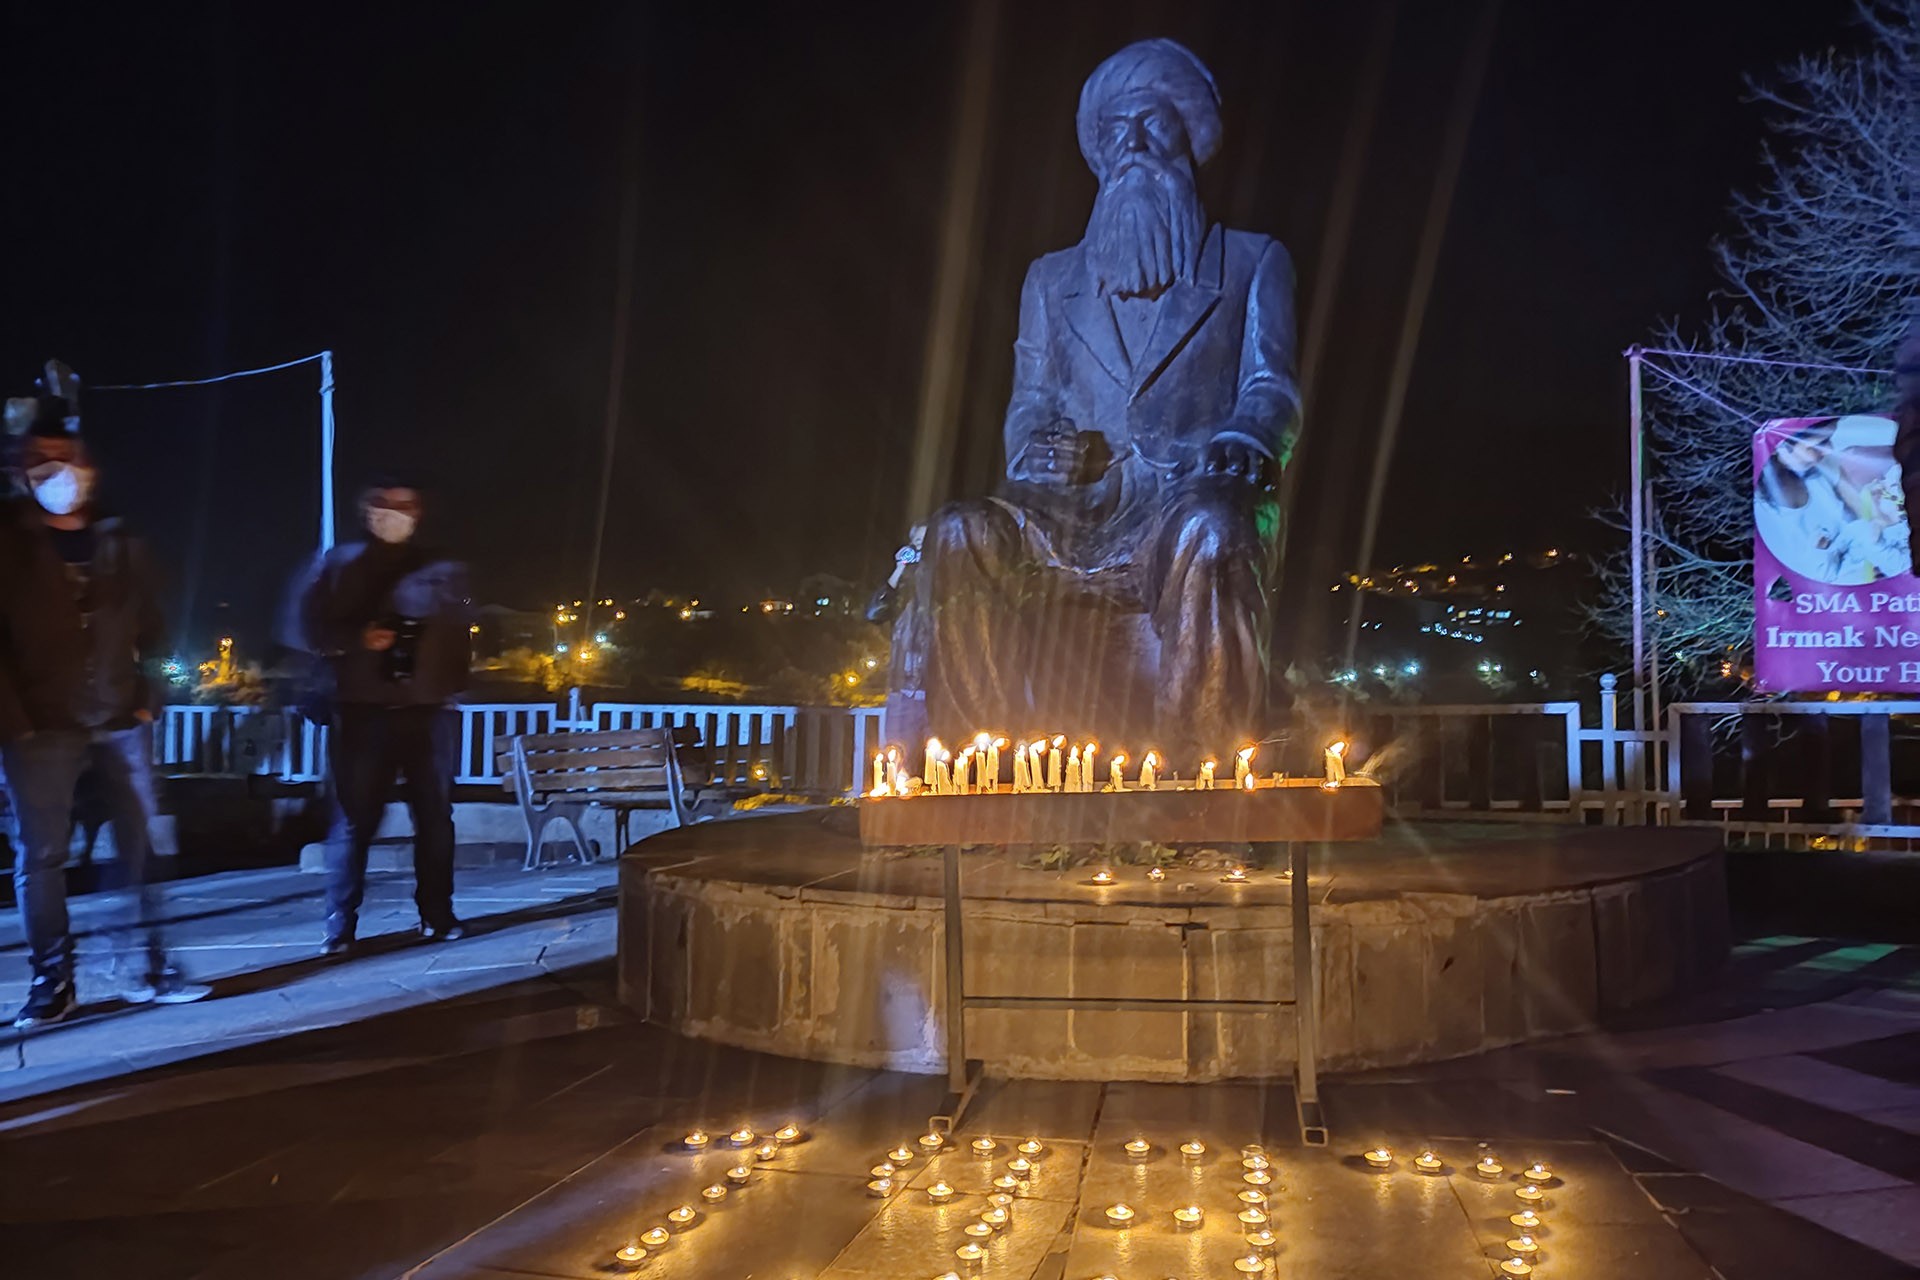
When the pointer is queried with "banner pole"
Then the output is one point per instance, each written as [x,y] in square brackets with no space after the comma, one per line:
[326,450]
[1637,479]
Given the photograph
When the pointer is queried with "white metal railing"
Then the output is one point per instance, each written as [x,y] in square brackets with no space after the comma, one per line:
[810,749]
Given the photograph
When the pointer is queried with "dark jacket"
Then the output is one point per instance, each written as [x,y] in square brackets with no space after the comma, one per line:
[56,670]
[361,584]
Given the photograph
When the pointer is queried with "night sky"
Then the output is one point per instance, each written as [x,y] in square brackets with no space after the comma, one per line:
[436,198]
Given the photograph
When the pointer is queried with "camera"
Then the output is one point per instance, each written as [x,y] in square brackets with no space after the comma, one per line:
[406,648]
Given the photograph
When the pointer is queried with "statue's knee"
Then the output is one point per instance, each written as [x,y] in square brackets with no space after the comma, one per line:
[1215,528]
[964,526]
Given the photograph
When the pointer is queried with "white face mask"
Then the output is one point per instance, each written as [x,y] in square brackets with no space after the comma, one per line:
[389,525]
[60,487]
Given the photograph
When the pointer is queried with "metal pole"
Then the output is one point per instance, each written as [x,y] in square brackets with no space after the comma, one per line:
[1637,479]
[1653,657]
[1306,1013]
[326,450]
[956,978]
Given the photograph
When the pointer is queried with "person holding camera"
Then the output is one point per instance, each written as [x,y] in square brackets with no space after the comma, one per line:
[390,619]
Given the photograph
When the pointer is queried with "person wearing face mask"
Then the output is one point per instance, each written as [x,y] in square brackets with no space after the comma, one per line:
[389,617]
[78,618]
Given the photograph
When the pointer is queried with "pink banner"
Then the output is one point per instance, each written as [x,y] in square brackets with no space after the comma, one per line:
[1836,606]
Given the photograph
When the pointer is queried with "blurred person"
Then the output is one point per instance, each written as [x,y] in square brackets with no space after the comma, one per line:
[390,618]
[78,618]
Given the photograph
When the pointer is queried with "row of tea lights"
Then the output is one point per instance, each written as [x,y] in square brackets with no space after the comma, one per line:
[1524,1247]
[1253,1214]
[1041,766]
[754,1147]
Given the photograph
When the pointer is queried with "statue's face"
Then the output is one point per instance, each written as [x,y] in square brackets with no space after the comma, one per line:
[1140,126]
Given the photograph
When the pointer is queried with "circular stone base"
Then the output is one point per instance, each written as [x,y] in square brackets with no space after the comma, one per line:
[782,934]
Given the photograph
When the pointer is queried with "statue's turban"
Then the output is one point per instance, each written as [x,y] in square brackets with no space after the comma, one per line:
[1163,67]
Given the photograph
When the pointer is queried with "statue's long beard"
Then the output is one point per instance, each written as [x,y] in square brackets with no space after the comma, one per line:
[1146,229]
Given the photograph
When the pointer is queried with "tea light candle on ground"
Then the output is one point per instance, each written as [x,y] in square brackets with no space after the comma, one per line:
[1262,1239]
[883,1170]
[1252,1264]
[1031,1147]
[1254,1217]
[1255,1161]
[1427,1162]
[1103,877]
[1254,1196]
[881,1187]
[630,1252]
[985,1146]
[766,1151]
[1020,1166]
[995,1217]
[1256,1177]
[1380,1158]
[1138,1147]
[931,1142]
[786,1133]
[1156,875]
[1516,1267]
[683,1215]
[654,1237]
[1193,1148]
[1526,1220]
[714,1194]
[1538,1172]
[1523,1246]
[1190,1216]
[696,1141]
[739,1173]
[978,1230]
[1001,1200]
[1236,876]
[970,1252]
[1006,1182]
[1530,1193]
[939,1193]
[742,1137]
[900,1155]
[1119,1214]
[1488,1167]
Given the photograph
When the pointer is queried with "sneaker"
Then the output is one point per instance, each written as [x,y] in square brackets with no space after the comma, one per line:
[170,986]
[452,931]
[337,944]
[49,1000]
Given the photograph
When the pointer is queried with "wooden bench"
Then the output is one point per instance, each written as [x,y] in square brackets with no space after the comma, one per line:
[557,777]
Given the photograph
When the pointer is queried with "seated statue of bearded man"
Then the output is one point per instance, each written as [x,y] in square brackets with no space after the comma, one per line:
[1119,582]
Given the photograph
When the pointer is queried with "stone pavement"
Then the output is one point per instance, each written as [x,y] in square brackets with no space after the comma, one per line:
[506,1119]
[254,935]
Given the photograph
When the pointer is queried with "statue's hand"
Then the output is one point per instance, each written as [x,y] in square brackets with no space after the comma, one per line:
[1231,458]
[1060,455]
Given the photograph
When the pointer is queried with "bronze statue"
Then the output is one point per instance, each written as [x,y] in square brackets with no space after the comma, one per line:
[1119,582]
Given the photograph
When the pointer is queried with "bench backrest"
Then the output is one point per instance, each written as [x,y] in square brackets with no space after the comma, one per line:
[625,761]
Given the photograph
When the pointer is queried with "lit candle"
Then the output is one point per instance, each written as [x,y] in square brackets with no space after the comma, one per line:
[1252,1264]
[993,761]
[1524,1245]
[1192,1148]
[1516,1267]
[1148,763]
[1073,770]
[970,1252]
[901,1154]
[654,1237]
[1526,1220]
[1238,875]
[1337,763]
[739,1174]
[714,1194]
[896,777]
[931,1142]
[1031,1148]
[963,773]
[1488,1167]
[1022,780]
[1253,1196]
[766,1151]
[985,1146]
[978,1230]
[1006,1182]
[683,1215]
[939,1193]
[1119,1214]
[630,1252]
[1380,1158]
[696,1141]
[1086,766]
[1156,875]
[1254,1216]
[1254,1160]
[928,773]
[1116,781]
[1251,1150]
[1531,1194]
[1020,1166]
[1206,775]
[1538,1172]
[884,1170]
[1036,764]
[1053,763]
[879,787]
[741,1137]
[1256,1177]
[989,775]
[882,1187]
[1243,764]
[1188,1217]
[1427,1162]
[1262,1239]
[995,1218]
[1103,877]
[1138,1147]
[1001,1200]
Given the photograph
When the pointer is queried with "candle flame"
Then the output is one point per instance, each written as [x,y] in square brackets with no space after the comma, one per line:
[1246,753]
[1060,740]
[1247,782]
[1075,755]
[1151,759]
[1120,759]
[982,741]
[1338,748]
[999,743]
[893,753]
[1209,764]
[1037,746]
[933,745]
